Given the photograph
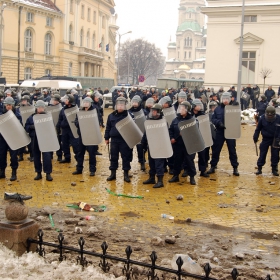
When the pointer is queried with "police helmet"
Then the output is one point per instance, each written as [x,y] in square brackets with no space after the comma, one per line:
[136,100]
[182,94]
[56,96]
[121,99]
[70,98]
[25,97]
[9,101]
[263,97]
[187,105]
[87,99]
[157,107]
[270,110]
[165,99]
[197,102]
[149,102]
[213,104]
[274,101]
[25,92]
[40,103]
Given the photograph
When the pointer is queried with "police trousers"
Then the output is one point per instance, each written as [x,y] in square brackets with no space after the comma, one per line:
[67,138]
[264,146]
[4,148]
[81,155]
[156,165]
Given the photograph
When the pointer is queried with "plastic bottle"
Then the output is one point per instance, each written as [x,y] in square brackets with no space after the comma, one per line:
[165,216]
[90,218]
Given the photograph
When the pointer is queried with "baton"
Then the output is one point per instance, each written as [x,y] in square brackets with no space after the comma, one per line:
[256,149]
[109,152]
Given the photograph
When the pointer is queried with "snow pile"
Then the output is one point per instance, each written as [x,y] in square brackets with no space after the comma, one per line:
[30,266]
[247,116]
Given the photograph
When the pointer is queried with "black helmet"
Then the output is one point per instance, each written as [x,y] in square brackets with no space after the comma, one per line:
[156,107]
[263,97]
[56,96]
[274,101]
[270,113]
[187,104]
[197,102]
[25,97]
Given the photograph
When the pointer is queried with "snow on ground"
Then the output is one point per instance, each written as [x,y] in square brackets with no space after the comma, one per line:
[247,116]
[31,266]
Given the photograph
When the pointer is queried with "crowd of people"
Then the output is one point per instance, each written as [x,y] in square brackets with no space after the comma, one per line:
[187,105]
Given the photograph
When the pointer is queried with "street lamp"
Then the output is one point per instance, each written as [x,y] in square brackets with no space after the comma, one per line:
[1,28]
[120,35]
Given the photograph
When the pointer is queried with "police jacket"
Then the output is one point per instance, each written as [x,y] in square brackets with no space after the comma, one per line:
[174,130]
[176,105]
[218,117]
[29,125]
[16,112]
[146,111]
[261,106]
[111,130]
[132,110]
[35,97]
[267,129]
[99,109]
[62,120]
[269,93]
[199,113]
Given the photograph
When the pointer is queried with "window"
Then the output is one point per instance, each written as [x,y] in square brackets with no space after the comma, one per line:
[48,72]
[94,17]
[81,37]
[49,21]
[48,44]
[29,17]
[88,39]
[250,18]
[27,73]
[88,14]
[70,69]
[70,33]
[28,40]
[83,12]
[71,6]
[93,41]
[248,67]
[188,42]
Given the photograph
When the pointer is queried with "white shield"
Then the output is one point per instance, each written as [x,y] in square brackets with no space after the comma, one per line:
[46,133]
[158,138]
[12,131]
[140,118]
[232,122]
[71,116]
[26,112]
[89,127]
[55,111]
[205,129]
[191,136]
[129,131]
[245,96]
[277,109]
[169,114]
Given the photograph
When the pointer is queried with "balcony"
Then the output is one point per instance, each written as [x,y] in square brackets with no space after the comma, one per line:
[49,58]
[92,54]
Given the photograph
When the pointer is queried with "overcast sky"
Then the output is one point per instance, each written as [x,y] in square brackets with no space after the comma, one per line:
[153,20]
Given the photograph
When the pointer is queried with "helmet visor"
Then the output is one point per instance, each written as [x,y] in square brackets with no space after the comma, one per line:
[182,110]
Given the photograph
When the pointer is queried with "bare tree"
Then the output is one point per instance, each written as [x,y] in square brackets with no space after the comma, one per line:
[264,73]
[139,57]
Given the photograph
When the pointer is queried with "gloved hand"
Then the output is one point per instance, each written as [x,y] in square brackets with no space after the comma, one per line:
[32,127]
[58,131]
[221,125]
[255,140]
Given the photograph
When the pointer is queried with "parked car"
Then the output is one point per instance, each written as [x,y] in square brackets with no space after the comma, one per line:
[107,97]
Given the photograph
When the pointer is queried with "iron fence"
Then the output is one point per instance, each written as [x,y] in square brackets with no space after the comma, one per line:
[128,262]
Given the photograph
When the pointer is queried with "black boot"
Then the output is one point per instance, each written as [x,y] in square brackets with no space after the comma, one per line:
[98,154]
[275,171]
[171,172]
[2,173]
[151,180]
[68,160]
[204,174]
[39,176]
[211,170]
[185,174]
[165,170]
[92,173]
[259,172]
[31,159]
[20,158]
[14,175]
[59,158]
[126,176]
[49,177]
[77,172]
[143,167]
[112,176]
[174,179]
[192,180]
[235,171]
[159,183]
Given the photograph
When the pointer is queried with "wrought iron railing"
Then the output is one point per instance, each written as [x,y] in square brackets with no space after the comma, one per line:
[128,262]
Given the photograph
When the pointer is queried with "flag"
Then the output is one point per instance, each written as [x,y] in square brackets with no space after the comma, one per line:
[107,48]
[100,45]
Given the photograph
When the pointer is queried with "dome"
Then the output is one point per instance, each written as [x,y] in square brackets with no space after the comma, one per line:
[192,25]
[184,67]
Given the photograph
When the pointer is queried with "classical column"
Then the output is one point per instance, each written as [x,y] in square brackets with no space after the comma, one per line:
[89,69]
[100,69]
[82,69]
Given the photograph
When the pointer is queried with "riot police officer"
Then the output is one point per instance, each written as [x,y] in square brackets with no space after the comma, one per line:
[47,156]
[157,164]
[261,106]
[67,137]
[9,104]
[118,144]
[181,97]
[148,105]
[218,119]
[267,127]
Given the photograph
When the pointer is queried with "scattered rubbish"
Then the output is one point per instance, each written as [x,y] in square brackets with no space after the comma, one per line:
[188,220]
[272,183]
[220,192]
[180,197]
[147,190]
[170,239]
[90,218]
[157,241]
[56,193]
[52,222]
[165,216]
[167,201]
[78,230]
[212,179]
[87,207]
[240,256]
[73,183]
[189,265]
[275,236]
[124,195]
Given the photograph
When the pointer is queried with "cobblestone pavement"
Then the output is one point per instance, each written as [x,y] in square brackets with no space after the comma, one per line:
[248,202]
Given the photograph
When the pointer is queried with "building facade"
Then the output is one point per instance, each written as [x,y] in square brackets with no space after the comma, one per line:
[260,42]
[186,56]
[68,38]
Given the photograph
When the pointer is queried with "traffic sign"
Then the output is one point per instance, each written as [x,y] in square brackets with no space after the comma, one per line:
[141,78]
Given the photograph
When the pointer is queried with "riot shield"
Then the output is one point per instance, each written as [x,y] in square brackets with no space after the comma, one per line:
[26,112]
[55,111]
[277,109]
[140,118]
[205,129]
[13,132]
[158,138]
[232,122]
[89,127]
[276,140]
[45,132]
[256,93]
[71,116]
[130,132]
[245,96]
[191,136]
[169,114]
